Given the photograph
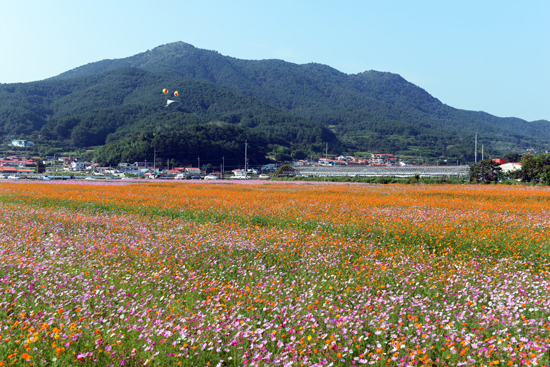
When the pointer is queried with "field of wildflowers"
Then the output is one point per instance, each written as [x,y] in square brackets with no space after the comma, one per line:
[274,274]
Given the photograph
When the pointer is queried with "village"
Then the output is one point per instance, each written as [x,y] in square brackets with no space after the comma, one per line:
[52,167]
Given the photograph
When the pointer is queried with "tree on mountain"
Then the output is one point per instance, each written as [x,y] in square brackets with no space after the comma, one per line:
[512,157]
[299,154]
[299,106]
[282,157]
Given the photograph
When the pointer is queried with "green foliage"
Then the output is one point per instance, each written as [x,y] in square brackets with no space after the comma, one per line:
[99,109]
[535,168]
[485,171]
[372,110]
[40,166]
[211,142]
[512,157]
[302,107]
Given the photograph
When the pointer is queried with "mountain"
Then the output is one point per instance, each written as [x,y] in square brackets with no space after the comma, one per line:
[364,109]
[106,108]
[291,109]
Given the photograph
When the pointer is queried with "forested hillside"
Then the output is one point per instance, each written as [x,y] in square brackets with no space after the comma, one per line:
[290,110]
[213,143]
[94,110]
[371,110]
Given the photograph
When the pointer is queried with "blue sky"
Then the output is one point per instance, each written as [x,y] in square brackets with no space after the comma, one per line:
[491,56]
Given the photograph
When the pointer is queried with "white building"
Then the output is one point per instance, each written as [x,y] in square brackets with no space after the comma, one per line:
[510,167]
[78,166]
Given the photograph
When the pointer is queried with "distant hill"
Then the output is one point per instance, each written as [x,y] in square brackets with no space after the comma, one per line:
[99,109]
[295,108]
[370,109]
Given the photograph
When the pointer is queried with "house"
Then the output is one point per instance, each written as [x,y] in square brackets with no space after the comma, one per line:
[500,161]
[17,162]
[152,173]
[78,166]
[172,172]
[193,171]
[382,156]
[27,163]
[326,162]
[145,164]
[8,170]
[510,167]
[346,158]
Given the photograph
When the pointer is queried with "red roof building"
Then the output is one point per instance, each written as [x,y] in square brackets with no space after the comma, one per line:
[8,169]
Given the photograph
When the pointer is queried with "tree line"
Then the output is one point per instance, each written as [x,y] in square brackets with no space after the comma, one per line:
[534,168]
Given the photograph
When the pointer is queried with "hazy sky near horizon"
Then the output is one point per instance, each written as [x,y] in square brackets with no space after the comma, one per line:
[491,56]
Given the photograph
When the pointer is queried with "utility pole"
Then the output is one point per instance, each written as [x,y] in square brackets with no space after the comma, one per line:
[245,158]
[199,159]
[223,165]
[326,152]
[475,152]
[482,156]
[154,159]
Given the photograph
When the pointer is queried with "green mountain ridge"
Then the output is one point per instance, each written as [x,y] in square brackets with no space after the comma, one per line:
[292,109]
[358,106]
[123,103]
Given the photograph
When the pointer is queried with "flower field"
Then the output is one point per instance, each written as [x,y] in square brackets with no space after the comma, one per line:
[273,274]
